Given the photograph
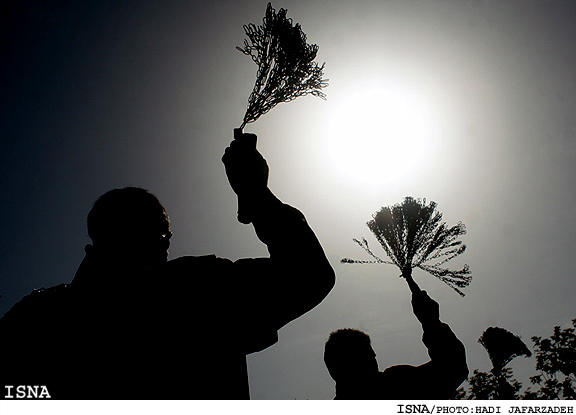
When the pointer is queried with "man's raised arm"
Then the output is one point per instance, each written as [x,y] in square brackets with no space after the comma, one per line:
[448,368]
[297,276]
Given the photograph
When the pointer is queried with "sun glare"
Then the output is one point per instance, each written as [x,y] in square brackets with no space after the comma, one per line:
[379,135]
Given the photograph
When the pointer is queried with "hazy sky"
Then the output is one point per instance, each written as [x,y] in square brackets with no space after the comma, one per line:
[476,99]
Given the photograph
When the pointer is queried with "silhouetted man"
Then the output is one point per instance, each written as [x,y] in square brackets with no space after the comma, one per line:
[351,361]
[134,325]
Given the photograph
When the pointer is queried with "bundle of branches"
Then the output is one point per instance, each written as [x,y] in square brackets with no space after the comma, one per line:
[286,67]
[413,237]
[502,346]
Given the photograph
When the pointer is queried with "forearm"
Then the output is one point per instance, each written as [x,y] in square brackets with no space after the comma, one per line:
[440,340]
[297,276]
[445,350]
[302,275]
[284,230]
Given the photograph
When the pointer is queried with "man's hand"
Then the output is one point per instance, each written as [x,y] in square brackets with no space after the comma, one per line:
[425,309]
[247,172]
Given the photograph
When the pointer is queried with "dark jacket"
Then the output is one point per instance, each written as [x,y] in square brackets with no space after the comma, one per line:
[180,332]
[437,379]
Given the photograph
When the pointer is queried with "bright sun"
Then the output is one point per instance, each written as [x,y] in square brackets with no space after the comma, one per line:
[379,135]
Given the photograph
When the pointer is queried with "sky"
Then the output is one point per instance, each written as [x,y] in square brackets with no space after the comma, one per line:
[471,104]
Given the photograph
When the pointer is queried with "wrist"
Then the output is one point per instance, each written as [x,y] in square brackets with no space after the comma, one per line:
[255,204]
[430,324]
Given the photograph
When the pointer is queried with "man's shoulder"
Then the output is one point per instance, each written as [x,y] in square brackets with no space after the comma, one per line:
[45,295]
[205,265]
[39,303]
[43,292]
[398,371]
[202,260]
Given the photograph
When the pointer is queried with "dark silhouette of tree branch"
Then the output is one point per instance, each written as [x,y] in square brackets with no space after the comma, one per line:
[286,67]
[502,346]
[413,236]
[555,360]
[488,386]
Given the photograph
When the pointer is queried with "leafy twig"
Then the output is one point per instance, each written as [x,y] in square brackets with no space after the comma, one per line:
[413,236]
[286,67]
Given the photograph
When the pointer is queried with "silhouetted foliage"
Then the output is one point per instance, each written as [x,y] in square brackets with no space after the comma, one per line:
[502,346]
[555,360]
[286,67]
[486,385]
[413,236]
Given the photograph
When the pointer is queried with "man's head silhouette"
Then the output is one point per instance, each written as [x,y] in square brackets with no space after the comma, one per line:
[130,225]
[349,355]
